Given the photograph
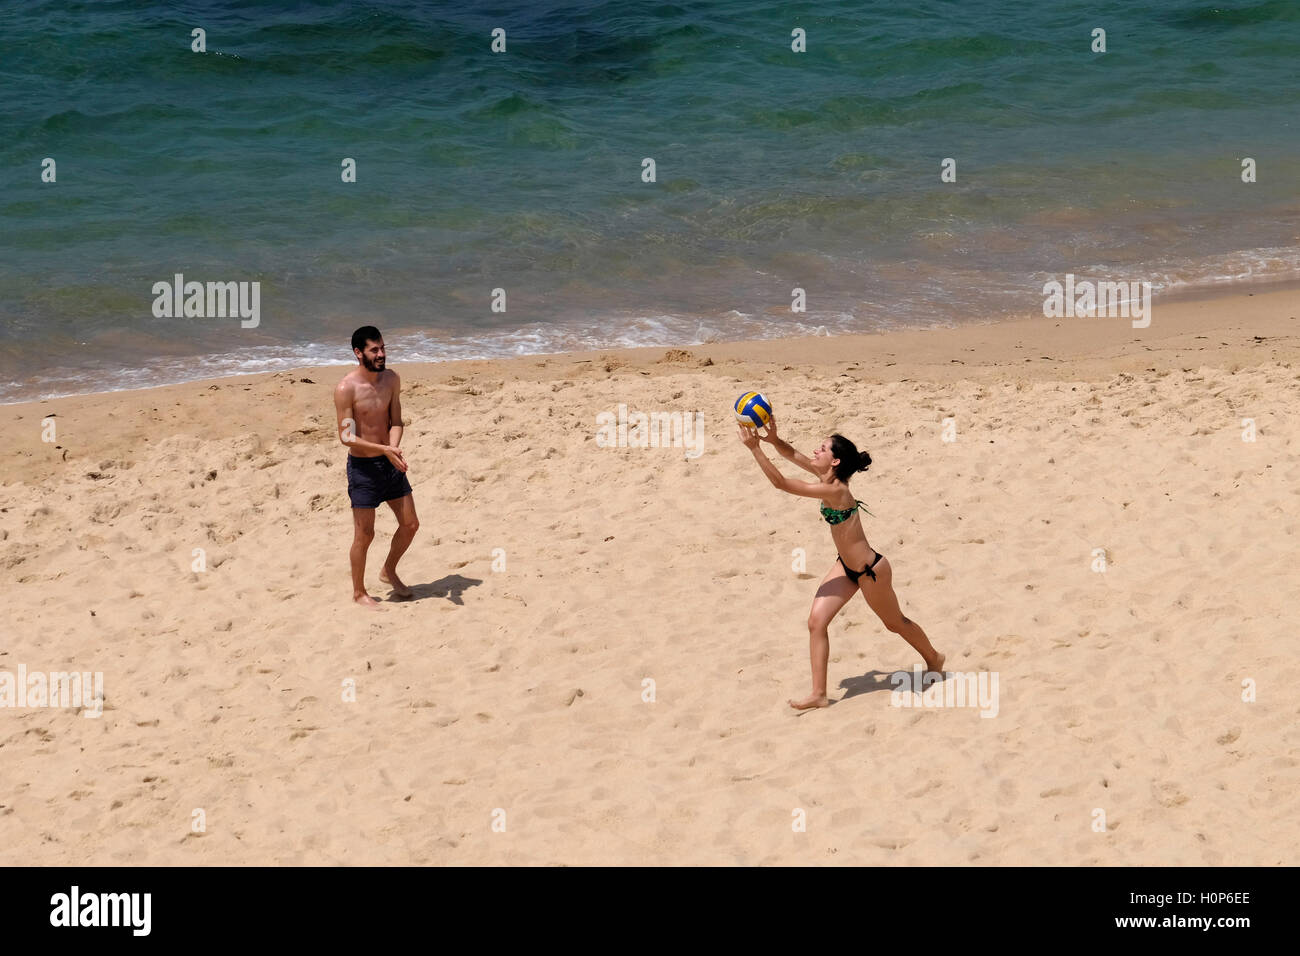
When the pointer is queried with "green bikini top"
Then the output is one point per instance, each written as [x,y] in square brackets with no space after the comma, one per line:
[835,516]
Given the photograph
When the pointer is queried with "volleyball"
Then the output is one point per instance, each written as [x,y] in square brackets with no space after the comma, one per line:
[754,410]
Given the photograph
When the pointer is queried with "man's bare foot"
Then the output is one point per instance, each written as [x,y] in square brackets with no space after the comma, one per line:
[392,580]
[937,663]
[813,700]
[365,600]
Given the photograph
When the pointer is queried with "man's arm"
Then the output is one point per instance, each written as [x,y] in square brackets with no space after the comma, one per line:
[395,413]
[347,423]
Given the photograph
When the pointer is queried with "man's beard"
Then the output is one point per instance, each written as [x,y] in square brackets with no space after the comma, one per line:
[373,365]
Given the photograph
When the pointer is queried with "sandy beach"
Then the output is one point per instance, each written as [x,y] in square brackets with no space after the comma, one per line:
[595,667]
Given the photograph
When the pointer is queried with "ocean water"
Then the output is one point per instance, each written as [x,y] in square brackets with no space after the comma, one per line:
[523,171]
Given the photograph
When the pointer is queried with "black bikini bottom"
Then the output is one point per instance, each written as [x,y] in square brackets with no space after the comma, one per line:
[854,575]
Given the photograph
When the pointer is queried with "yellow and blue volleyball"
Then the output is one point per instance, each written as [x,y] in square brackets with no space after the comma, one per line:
[754,410]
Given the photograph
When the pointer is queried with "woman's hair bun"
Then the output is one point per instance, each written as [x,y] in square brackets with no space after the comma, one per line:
[851,460]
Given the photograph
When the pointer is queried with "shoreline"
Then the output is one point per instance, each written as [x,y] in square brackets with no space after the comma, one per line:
[1249,328]
[1177,300]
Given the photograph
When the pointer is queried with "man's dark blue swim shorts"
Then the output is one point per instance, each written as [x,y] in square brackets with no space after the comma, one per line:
[372,481]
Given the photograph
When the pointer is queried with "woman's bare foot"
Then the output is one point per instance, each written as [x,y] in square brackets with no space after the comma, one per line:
[937,663]
[392,580]
[813,700]
[365,600]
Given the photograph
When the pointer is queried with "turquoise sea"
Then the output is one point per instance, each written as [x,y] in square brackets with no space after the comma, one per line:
[522,171]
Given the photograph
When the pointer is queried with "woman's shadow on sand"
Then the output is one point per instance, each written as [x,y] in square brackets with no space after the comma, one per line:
[450,587]
[872,681]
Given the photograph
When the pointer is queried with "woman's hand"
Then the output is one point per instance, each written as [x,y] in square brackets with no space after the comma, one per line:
[771,430]
[748,436]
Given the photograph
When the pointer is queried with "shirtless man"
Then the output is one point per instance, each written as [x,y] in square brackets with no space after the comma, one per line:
[369,410]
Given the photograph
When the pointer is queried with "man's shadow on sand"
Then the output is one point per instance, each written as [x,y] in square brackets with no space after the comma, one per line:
[450,587]
[873,681]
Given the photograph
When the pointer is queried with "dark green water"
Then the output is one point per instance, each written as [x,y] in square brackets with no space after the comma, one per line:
[522,171]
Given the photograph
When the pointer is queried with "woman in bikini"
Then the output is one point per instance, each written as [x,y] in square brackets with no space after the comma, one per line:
[834,462]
